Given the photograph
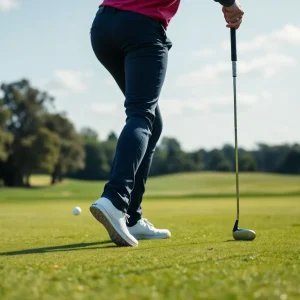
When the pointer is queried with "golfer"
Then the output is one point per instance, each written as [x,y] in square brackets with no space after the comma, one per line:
[129,39]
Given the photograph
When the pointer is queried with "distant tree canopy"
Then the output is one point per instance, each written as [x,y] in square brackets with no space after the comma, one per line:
[33,139]
[98,156]
[6,138]
[170,158]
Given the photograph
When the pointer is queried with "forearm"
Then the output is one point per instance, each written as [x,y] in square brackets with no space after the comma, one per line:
[226,3]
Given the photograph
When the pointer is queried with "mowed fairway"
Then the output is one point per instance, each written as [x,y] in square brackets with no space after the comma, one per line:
[47,253]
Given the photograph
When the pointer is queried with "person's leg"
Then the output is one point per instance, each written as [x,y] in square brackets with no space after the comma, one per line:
[140,227]
[145,67]
[112,58]
[135,209]
[114,63]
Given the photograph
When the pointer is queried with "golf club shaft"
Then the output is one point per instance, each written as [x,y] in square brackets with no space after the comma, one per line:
[234,76]
[236,154]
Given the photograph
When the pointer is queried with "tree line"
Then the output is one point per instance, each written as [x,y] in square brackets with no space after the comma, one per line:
[34,138]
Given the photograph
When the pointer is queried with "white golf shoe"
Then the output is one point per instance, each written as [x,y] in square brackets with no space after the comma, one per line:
[114,221]
[144,230]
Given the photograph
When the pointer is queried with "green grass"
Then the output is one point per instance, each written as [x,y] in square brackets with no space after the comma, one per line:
[188,185]
[47,253]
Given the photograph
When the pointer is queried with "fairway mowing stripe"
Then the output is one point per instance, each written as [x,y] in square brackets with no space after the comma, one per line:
[159,196]
[244,195]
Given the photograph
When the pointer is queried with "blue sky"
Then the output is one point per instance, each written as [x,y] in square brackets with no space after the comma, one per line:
[48,43]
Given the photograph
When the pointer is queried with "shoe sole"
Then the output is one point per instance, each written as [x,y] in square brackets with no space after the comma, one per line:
[102,216]
[151,237]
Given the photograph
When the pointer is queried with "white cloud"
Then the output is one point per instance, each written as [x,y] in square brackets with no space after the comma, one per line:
[6,5]
[172,107]
[107,108]
[88,74]
[267,66]
[204,52]
[109,81]
[204,75]
[289,34]
[267,97]
[68,81]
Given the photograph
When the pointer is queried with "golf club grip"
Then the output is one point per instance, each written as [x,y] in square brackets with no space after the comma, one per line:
[233,44]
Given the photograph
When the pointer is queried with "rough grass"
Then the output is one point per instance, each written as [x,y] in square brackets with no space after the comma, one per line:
[47,253]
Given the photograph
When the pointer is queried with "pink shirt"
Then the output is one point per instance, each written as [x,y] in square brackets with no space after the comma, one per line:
[161,10]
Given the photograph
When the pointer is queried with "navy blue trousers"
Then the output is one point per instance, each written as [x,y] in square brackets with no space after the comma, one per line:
[134,49]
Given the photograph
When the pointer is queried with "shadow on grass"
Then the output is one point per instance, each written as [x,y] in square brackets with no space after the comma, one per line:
[236,241]
[70,247]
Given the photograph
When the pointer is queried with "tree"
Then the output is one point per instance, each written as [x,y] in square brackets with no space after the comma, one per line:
[158,166]
[89,134]
[98,156]
[270,157]
[247,162]
[6,138]
[291,163]
[174,156]
[25,106]
[71,151]
[218,162]
[112,137]
[229,153]
[196,159]
[96,165]
[46,144]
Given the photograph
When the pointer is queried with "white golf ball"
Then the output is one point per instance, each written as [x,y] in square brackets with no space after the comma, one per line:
[76,211]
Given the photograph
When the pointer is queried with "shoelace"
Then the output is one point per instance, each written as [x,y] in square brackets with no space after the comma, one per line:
[147,222]
[126,216]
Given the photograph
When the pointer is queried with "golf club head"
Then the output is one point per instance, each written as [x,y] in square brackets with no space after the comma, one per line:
[240,234]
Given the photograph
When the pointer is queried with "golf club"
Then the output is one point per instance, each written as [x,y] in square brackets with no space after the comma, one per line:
[237,233]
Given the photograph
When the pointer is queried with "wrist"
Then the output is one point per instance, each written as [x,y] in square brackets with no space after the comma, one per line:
[226,3]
